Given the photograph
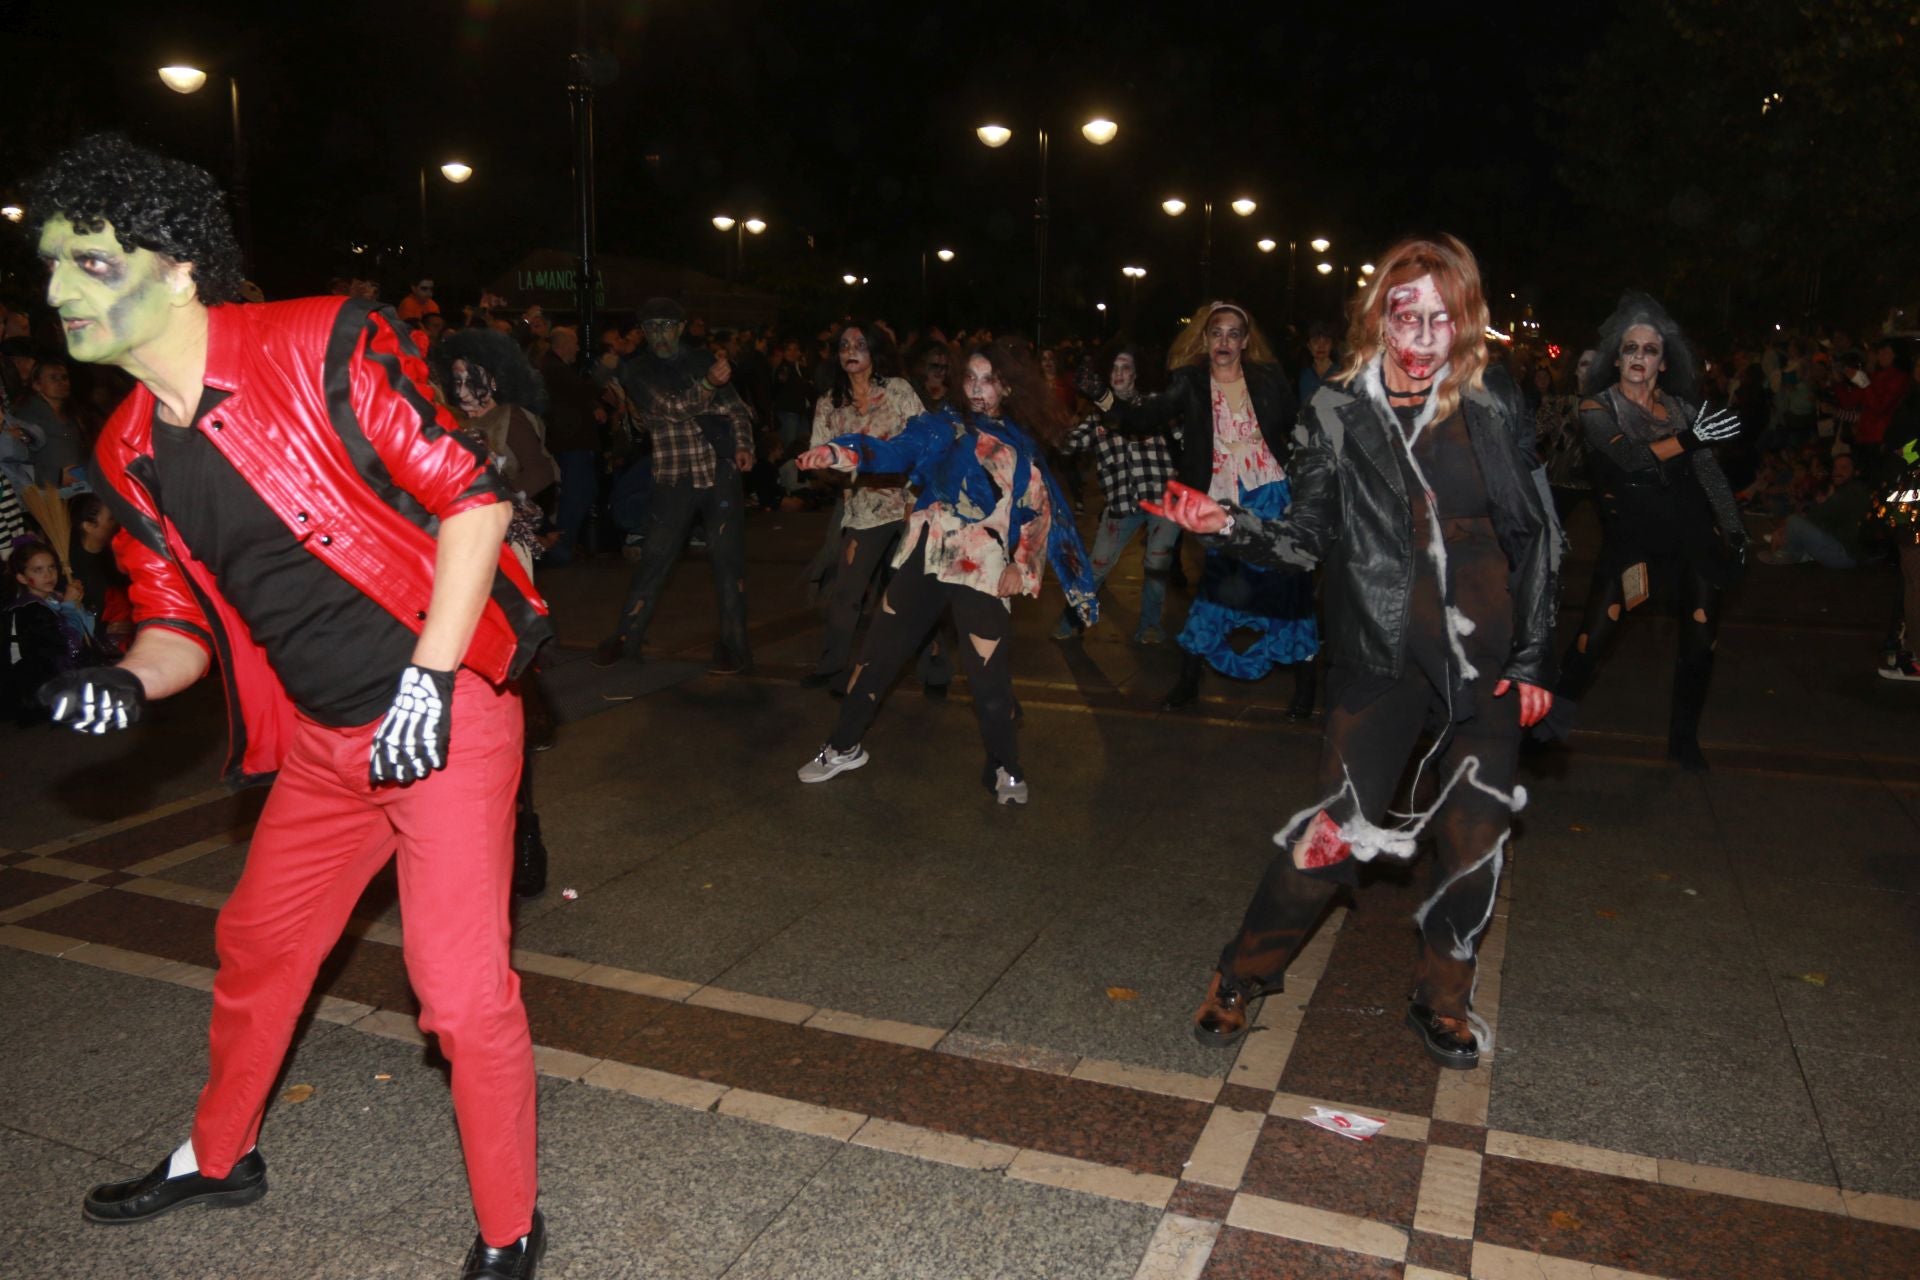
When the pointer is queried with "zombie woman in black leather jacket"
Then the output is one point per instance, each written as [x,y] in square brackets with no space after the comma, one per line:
[1417,492]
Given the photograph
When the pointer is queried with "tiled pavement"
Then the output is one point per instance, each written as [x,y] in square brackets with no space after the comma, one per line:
[882,1028]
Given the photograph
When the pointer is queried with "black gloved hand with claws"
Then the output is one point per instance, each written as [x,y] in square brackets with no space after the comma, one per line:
[413,739]
[94,699]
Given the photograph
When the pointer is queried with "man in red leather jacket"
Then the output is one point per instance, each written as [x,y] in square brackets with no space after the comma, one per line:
[294,505]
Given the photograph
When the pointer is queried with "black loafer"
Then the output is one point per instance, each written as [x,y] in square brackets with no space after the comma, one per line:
[1449,1048]
[515,1262]
[136,1200]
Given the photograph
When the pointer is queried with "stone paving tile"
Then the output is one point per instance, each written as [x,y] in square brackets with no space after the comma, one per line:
[1249,1255]
[153,926]
[1439,1253]
[632,1190]
[1298,1162]
[1869,1108]
[17,886]
[1445,1133]
[1674,1232]
[164,835]
[1197,1200]
[873,1215]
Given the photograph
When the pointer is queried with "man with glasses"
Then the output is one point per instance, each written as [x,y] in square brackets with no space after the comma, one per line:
[702,444]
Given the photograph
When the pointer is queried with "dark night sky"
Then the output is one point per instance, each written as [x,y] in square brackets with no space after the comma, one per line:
[851,123]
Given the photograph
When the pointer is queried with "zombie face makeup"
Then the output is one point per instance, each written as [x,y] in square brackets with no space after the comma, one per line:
[1642,358]
[937,368]
[1124,375]
[1580,369]
[1226,339]
[1419,331]
[855,357]
[662,337]
[983,388]
[472,388]
[112,300]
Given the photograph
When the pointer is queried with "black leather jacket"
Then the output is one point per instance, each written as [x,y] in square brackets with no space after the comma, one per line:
[1350,514]
[1188,403]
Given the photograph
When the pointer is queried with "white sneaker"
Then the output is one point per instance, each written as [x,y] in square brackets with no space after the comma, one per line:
[830,763]
[1008,789]
[1903,668]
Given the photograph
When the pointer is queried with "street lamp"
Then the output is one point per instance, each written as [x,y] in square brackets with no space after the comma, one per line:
[723,222]
[1266,244]
[12,212]
[183,79]
[454,171]
[1099,131]
[1320,244]
[1174,206]
[944,255]
[1325,268]
[1134,276]
[850,280]
[1366,268]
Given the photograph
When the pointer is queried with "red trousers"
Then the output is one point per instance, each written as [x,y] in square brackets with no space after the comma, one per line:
[323,835]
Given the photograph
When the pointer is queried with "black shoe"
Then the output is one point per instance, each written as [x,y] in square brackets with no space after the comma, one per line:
[608,651]
[529,856]
[1188,687]
[120,1203]
[1223,1017]
[817,679]
[1455,1050]
[519,1261]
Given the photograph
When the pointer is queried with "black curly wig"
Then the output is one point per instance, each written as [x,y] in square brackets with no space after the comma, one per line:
[152,202]
[514,381]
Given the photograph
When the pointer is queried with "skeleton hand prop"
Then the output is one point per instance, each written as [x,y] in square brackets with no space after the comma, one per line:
[1722,424]
[412,741]
[94,699]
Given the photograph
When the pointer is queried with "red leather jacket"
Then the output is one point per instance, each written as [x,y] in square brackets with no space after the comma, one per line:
[329,418]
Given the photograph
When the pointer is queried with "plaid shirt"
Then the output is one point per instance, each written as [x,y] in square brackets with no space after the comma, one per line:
[1130,467]
[668,400]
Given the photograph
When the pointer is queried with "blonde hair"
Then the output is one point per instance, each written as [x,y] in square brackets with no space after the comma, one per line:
[1457,278]
[1191,346]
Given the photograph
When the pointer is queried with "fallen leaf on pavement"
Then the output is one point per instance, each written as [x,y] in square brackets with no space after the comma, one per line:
[1122,993]
[1604,914]
[382,1075]
[297,1093]
[1814,979]
[1564,1221]
[1576,827]
[1663,875]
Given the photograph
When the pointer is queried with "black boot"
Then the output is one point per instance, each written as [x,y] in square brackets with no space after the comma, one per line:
[529,856]
[1305,685]
[1188,687]
[1690,677]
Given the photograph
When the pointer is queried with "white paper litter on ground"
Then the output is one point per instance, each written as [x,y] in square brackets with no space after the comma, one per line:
[569,894]
[1348,1124]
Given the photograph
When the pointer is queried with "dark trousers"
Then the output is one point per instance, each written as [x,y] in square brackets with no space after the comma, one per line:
[1374,725]
[670,515]
[863,555]
[1697,614]
[579,479]
[912,605]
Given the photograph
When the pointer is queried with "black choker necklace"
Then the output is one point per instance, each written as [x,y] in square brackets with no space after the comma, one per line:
[1408,395]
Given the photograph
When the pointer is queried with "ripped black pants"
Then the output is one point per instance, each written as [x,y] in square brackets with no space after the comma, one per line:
[722,511]
[912,605]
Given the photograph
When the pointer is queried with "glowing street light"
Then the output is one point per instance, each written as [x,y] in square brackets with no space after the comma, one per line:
[12,212]
[754,226]
[1099,131]
[1174,206]
[456,172]
[1366,268]
[850,279]
[1325,268]
[1244,207]
[723,222]
[945,255]
[1133,273]
[1266,244]
[183,79]
[1320,244]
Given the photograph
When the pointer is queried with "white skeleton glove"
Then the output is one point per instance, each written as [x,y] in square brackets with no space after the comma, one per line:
[412,741]
[1722,424]
[94,699]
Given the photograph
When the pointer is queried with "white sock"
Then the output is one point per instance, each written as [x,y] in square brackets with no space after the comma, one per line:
[183,1161]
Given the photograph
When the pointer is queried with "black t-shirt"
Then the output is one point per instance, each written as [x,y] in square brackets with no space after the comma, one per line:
[97,571]
[338,654]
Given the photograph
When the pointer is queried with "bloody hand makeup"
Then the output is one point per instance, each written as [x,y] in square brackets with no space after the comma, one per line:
[111,299]
[1642,358]
[1419,331]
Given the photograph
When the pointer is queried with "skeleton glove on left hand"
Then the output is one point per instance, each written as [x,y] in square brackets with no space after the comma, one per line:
[1721,425]
[412,741]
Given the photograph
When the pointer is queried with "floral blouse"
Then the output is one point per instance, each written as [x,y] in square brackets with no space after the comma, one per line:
[897,403]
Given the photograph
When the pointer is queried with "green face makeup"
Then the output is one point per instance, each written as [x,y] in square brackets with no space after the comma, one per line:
[112,300]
